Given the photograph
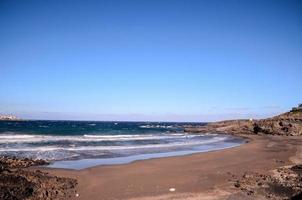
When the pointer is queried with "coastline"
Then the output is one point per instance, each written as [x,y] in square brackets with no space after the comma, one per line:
[268,166]
[92,162]
[207,175]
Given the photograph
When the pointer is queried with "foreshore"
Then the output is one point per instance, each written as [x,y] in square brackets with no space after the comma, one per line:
[212,175]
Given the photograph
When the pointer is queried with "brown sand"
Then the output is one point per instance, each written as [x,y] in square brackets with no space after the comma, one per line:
[199,176]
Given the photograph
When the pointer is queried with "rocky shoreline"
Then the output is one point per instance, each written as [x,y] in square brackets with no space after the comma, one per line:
[282,183]
[18,182]
[286,124]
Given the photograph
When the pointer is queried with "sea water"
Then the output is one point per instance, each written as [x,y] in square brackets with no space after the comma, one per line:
[81,144]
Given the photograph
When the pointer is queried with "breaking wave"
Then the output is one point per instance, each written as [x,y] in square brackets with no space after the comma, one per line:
[65,140]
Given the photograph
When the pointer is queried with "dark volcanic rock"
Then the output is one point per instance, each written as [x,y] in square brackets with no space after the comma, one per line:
[233,127]
[289,124]
[283,183]
[12,162]
[17,183]
[14,186]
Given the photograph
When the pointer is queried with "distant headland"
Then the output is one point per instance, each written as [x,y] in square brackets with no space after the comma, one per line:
[9,118]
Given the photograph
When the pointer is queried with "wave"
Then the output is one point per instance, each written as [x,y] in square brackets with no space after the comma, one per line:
[156,126]
[87,146]
[44,126]
[113,136]
[12,136]
[87,138]
[60,140]
[95,148]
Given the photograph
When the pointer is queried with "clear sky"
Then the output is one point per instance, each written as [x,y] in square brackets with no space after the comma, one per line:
[160,60]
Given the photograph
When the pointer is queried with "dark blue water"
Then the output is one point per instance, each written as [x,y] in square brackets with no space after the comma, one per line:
[76,140]
[84,127]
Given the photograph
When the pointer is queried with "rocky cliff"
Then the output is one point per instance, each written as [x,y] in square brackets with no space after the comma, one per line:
[289,123]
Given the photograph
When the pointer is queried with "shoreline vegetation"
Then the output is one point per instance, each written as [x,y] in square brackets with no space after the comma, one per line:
[268,167]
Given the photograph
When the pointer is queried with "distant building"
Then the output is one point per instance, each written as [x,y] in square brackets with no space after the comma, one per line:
[299,108]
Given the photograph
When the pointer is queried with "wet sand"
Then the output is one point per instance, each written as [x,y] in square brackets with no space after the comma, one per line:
[197,176]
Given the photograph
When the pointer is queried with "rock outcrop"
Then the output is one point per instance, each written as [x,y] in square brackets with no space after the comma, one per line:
[13,163]
[283,183]
[289,123]
[18,183]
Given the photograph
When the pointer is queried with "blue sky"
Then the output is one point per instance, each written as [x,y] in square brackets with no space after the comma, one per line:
[150,60]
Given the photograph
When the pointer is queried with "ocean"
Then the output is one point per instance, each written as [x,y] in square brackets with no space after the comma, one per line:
[80,144]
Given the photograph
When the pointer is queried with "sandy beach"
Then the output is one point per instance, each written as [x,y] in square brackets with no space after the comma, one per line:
[210,175]
[151,100]
[267,166]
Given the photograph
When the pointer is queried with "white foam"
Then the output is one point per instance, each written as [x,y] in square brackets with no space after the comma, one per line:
[94,148]
[113,136]
[11,138]
[156,126]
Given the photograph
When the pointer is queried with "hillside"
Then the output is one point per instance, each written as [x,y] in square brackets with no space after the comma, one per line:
[289,123]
